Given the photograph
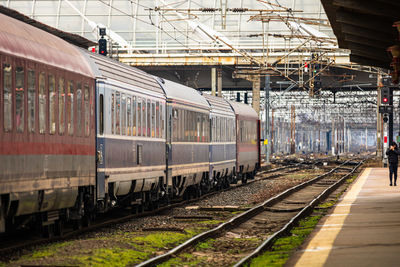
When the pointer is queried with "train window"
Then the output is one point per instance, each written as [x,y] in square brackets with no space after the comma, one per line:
[158,119]
[134,116]
[118,113]
[70,108]
[189,125]
[52,104]
[102,114]
[31,100]
[78,109]
[212,129]
[61,106]
[148,119]
[198,127]
[139,115]
[42,103]
[87,109]
[174,124]
[128,116]
[182,125]
[185,125]
[123,113]
[112,112]
[19,99]
[178,125]
[144,131]
[162,119]
[153,119]
[7,97]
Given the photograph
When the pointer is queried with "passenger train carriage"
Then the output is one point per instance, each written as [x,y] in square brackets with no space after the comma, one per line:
[47,147]
[81,133]
[222,143]
[130,139]
[248,158]
[188,137]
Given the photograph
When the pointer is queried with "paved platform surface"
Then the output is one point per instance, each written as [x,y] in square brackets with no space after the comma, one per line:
[363,229]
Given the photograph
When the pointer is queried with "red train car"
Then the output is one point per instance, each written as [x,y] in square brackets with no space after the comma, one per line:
[47,134]
[247,141]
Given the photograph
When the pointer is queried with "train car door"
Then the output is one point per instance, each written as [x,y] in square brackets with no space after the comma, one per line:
[168,158]
[100,146]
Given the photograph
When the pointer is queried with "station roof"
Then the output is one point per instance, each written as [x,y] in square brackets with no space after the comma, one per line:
[69,37]
[365,27]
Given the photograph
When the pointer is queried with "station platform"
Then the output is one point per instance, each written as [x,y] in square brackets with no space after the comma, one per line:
[362,230]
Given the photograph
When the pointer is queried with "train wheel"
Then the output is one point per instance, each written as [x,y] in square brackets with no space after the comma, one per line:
[48,231]
[77,224]
[244,178]
[86,221]
[59,228]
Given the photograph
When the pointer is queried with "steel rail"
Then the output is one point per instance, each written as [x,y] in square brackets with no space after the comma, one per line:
[306,211]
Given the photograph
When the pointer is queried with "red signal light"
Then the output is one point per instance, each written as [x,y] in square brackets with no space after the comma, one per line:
[385,100]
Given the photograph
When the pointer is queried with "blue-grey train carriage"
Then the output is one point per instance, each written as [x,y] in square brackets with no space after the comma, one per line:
[130,139]
[223,142]
[188,136]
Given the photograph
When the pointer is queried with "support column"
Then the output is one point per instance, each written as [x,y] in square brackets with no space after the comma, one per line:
[213,81]
[293,130]
[267,135]
[219,82]
[272,132]
[333,137]
[379,118]
[256,94]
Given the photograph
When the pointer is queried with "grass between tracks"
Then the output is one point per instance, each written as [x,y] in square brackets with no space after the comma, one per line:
[117,249]
[285,246]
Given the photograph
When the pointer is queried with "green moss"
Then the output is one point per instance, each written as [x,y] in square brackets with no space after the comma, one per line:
[206,244]
[272,259]
[159,239]
[47,251]
[112,257]
[125,249]
[185,259]
[2,264]
[283,246]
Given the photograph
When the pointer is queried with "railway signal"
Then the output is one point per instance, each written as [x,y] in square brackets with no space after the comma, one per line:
[102,42]
[385,95]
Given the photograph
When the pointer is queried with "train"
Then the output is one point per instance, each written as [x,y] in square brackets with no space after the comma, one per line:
[81,134]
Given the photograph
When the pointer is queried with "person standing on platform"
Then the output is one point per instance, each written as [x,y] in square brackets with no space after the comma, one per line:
[393,159]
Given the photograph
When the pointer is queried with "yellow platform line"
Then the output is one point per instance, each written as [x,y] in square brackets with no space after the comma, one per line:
[319,247]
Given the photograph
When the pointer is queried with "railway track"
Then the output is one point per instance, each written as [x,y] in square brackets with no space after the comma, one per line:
[267,221]
[26,240]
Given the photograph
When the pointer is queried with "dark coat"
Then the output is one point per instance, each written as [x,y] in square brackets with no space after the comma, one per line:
[393,156]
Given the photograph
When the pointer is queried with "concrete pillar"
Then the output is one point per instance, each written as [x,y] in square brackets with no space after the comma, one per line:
[219,82]
[213,81]
[256,93]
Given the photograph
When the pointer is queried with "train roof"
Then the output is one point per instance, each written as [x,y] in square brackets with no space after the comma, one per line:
[107,68]
[23,40]
[244,110]
[183,94]
[219,105]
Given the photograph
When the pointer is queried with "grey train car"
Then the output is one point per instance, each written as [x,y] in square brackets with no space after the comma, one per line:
[188,137]
[248,157]
[222,143]
[130,134]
